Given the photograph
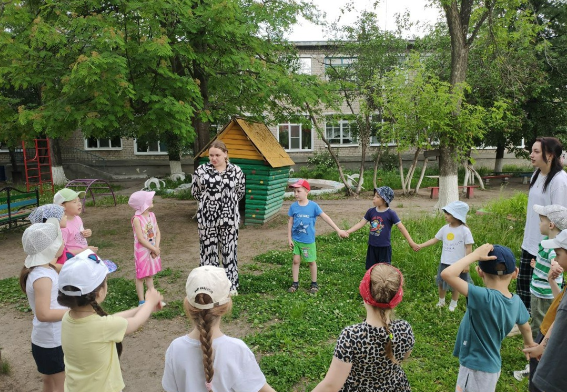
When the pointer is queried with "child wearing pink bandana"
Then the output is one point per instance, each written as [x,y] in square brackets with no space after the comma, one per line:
[368,355]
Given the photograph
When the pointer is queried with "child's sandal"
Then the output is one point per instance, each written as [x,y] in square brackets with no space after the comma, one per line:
[292,289]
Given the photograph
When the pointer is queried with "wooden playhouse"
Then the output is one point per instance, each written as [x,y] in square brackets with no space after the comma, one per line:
[253,147]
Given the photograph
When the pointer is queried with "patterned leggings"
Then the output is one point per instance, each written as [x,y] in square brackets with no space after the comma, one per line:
[220,240]
[524,279]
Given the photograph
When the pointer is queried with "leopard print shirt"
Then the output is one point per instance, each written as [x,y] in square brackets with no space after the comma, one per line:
[364,346]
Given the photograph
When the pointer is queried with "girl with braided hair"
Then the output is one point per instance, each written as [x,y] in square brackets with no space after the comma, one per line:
[368,355]
[206,359]
[91,338]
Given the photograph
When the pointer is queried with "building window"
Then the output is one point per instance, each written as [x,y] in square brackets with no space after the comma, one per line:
[103,144]
[305,65]
[149,148]
[295,137]
[340,132]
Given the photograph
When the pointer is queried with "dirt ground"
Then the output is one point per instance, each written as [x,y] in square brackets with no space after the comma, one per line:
[144,351]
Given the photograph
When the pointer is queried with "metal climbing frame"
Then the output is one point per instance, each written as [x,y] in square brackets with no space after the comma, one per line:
[38,167]
[88,185]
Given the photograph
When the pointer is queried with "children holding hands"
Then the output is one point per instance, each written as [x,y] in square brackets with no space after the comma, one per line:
[491,314]
[301,233]
[381,219]
[147,237]
[457,243]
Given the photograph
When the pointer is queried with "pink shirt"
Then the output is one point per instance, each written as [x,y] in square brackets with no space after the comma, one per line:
[72,236]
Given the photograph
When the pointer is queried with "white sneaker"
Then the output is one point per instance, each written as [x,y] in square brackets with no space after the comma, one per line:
[520,374]
[440,304]
[452,306]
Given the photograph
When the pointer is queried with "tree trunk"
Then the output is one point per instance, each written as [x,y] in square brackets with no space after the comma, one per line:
[376,162]
[412,169]
[421,175]
[401,167]
[448,176]
[174,148]
[57,171]
[364,144]
[500,148]
[202,128]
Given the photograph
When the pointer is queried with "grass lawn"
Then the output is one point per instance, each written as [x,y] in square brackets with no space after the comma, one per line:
[296,333]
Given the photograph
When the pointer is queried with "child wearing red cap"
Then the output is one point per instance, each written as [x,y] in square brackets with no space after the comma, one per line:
[301,233]
[368,354]
[147,237]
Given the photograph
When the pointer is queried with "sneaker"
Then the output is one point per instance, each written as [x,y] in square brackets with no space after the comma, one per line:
[515,331]
[453,306]
[440,304]
[233,293]
[314,288]
[521,374]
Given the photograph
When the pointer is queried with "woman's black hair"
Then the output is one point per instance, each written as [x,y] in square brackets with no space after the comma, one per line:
[83,300]
[549,145]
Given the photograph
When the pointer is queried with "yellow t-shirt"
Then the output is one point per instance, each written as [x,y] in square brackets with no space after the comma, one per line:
[91,359]
[551,312]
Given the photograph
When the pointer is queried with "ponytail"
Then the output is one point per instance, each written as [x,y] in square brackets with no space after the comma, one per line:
[86,299]
[204,319]
[389,337]
[24,273]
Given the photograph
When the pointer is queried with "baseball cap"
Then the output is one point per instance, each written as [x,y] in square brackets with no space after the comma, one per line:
[560,241]
[458,210]
[504,264]
[386,193]
[86,271]
[41,242]
[301,182]
[66,194]
[211,281]
[46,211]
[555,213]
[140,201]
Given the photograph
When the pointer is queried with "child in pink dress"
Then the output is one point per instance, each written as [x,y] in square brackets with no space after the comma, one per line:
[146,241]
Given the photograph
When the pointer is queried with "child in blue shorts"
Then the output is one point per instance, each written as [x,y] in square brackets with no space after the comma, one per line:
[381,219]
[301,233]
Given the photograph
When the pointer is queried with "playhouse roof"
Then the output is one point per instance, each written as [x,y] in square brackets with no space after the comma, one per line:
[250,140]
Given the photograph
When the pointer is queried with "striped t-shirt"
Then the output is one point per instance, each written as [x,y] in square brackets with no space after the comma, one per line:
[539,285]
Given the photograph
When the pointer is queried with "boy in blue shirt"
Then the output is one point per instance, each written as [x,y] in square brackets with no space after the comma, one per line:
[381,219]
[491,314]
[301,233]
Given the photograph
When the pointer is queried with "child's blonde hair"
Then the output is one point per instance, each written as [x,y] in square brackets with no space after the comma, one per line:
[385,282]
[204,319]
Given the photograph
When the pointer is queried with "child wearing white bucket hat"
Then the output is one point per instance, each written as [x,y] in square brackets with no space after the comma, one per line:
[206,358]
[92,339]
[457,243]
[42,243]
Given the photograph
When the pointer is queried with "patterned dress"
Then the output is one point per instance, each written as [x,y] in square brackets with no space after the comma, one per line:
[146,265]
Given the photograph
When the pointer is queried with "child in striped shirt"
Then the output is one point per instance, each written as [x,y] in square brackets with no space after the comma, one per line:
[553,219]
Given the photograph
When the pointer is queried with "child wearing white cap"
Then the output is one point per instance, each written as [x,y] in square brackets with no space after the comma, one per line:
[39,280]
[74,234]
[206,358]
[457,243]
[147,237]
[92,339]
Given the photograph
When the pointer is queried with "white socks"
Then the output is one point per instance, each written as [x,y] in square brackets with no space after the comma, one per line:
[453,306]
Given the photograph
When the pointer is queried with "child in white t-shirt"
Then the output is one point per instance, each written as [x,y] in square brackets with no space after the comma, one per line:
[207,357]
[457,243]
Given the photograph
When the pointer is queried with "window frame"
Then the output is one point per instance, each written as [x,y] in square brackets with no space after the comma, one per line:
[340,123]
[289,125]
[159,152]
[98,148]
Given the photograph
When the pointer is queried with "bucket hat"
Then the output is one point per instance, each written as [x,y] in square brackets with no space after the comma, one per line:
[458,209]
[41,242]
[386,193]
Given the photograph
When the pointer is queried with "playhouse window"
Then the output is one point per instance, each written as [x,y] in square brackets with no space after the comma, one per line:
[114,143]
[295,137]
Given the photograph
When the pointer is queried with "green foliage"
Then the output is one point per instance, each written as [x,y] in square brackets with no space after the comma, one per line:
[11,294]
[514,208]
[5,368]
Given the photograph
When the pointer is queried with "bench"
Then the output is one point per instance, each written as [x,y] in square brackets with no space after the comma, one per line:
[469,193]
[16,205]
[504,178]
[88,185]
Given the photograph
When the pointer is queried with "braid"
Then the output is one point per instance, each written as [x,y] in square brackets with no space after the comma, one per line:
[389,337]
[203,323]
[100,311]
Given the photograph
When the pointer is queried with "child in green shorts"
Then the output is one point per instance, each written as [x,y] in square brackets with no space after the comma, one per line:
[301,233]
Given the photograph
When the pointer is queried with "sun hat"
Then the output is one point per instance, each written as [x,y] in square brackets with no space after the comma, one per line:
[141,201]
[555,213]
[301,182]
[66,194]
[211,281]
[560,241]
[504,264]
[46,211]
[365,292]
[86,271]
[41,241]
[386,193]
[458,209]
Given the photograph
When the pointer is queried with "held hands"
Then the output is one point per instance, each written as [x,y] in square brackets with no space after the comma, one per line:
[415,246]
[554,271]
[86,233]
[533,351]
[343,233]
[155,252]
